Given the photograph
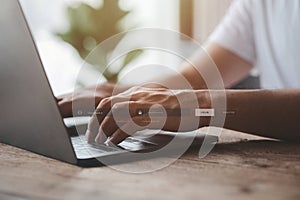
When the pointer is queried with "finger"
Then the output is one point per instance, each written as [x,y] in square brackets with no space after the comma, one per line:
[119,115]
[92,129]
[107,128]
[101,112]
[124,132]
[81,107]
[65,108]
[118,137]
[128,130]
[61,97]
[138,123]
[96,119]
[58,99]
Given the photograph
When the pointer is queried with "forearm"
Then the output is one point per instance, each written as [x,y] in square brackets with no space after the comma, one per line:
[213,64]
[269,113]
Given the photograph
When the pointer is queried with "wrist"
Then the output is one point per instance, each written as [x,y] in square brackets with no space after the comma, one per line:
[204,112]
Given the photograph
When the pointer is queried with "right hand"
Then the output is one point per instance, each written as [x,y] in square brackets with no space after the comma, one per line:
[111,124]
[84,97]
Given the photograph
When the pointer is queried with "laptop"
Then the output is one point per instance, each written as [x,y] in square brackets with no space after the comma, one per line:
[30,118]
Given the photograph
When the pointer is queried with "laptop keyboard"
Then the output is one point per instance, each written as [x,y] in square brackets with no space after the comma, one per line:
[85,150]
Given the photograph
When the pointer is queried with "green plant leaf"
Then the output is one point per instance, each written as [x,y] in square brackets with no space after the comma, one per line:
[131,56]
[89,26]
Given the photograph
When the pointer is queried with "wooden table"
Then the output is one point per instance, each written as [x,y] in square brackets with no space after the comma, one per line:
[240,167]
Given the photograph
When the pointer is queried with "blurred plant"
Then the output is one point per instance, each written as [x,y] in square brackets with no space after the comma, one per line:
[90,26]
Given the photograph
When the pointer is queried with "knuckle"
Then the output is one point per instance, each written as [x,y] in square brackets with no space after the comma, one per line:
[105,102]
[118,105]
[140,94]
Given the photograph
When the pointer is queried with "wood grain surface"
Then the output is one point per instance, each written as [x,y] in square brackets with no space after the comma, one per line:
[239,167]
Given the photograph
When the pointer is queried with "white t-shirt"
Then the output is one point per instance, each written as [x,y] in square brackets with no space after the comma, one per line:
[267,34]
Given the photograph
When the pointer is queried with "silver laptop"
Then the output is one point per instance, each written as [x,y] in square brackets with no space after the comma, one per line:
[29,115]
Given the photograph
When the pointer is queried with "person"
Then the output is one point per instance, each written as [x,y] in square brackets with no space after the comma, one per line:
[254,33]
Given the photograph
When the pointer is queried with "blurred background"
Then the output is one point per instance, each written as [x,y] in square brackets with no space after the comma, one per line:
[66,31]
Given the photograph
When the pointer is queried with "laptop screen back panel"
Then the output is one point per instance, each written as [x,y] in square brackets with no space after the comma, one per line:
[29,116]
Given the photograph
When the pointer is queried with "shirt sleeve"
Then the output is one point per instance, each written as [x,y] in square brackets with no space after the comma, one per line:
[235,32]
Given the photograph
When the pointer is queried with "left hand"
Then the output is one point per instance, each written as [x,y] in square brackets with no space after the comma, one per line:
[139,108]
[88,98]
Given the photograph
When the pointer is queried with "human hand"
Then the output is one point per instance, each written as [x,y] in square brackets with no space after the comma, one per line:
[87,99]
[139,108]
